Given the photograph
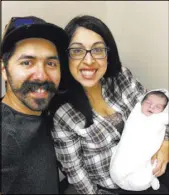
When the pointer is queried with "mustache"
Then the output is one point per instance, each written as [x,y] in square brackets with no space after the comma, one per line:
[31,86]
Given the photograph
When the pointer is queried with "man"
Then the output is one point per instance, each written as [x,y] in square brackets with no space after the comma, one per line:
[32,54]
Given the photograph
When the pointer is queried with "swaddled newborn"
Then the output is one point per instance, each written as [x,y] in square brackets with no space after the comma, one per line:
[143,134]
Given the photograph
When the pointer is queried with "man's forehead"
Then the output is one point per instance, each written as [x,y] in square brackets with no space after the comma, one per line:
[34,49]
[35,45]
[35,40]
[26,56]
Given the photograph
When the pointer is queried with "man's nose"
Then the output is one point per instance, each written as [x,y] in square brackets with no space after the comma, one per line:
[40,73]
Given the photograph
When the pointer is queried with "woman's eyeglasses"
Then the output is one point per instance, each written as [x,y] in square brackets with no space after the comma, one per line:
[80,53]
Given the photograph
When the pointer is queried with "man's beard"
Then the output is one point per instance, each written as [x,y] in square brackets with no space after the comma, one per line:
[35,104]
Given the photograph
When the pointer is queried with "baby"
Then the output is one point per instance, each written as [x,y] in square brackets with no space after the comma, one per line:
[143,134]
[153,103]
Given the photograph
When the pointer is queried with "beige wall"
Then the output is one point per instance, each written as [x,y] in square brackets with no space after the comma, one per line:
[140,29]
[141,32]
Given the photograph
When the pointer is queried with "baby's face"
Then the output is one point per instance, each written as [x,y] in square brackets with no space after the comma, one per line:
[153,104]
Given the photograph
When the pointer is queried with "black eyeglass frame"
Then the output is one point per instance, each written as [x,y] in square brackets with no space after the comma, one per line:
[88,51]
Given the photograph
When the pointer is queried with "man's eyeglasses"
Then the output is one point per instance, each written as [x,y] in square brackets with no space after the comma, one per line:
[80,53]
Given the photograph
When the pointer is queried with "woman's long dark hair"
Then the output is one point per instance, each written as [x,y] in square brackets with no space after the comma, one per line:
[76,94]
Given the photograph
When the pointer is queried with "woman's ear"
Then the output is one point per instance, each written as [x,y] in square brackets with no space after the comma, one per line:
[3,71]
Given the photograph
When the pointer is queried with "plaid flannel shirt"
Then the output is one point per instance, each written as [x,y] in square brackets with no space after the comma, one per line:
[85,153]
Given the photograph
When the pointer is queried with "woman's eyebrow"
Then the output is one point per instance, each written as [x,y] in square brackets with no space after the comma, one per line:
[76,43]
[80,44]
[99,42]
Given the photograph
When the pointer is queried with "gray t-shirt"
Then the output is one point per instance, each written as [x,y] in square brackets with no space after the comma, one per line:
[28,158]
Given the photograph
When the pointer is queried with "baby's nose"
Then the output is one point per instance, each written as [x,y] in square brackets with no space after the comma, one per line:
[152,107]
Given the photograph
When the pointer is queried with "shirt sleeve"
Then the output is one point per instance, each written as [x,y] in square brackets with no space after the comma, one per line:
[10,161]
[132,90]
[167,133]
[69,152]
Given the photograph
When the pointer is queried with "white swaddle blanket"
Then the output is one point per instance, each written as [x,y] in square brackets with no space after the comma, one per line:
[130,166]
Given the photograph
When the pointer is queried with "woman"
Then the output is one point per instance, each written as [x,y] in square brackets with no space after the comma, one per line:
[100,96]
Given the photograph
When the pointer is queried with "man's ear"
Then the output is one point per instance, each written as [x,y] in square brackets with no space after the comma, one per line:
[3,71]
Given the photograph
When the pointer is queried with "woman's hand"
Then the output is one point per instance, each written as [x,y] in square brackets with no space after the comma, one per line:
[162,157]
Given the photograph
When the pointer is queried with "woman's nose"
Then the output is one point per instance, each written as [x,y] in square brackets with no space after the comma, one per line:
[88,59]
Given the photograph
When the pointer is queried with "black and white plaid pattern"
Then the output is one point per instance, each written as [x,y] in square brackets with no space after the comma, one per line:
[85,152]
